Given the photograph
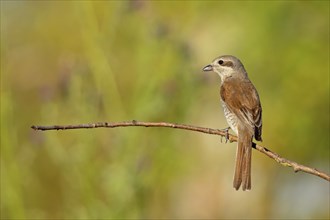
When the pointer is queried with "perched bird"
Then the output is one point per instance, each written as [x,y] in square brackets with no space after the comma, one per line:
[242,109]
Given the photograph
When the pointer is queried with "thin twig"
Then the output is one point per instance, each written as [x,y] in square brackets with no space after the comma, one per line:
[285,162]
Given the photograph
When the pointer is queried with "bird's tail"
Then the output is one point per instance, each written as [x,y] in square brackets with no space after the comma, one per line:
[243,160]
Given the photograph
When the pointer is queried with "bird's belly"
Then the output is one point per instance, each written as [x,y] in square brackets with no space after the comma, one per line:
[230,117]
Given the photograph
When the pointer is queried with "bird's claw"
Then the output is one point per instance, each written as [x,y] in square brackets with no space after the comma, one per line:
[226,135]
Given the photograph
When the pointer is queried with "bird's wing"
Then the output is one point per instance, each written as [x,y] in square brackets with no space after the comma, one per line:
[242,99]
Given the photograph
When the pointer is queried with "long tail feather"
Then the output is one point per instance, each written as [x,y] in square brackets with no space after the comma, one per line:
[242,174]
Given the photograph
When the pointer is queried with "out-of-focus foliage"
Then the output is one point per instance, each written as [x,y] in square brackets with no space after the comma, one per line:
[69,62]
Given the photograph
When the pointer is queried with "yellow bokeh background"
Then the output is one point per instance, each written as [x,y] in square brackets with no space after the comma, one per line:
[72,62]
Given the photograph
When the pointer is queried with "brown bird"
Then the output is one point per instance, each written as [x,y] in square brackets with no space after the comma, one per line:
[242,108]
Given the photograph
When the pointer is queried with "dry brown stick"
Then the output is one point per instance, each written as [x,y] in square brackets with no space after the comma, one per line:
[285,162]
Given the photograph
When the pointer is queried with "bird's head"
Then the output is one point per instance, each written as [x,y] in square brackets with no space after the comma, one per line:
[226,66]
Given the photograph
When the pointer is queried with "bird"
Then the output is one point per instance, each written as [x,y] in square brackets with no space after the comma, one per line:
[242,109]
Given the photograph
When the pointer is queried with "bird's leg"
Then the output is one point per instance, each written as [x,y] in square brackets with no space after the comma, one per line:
[227,134]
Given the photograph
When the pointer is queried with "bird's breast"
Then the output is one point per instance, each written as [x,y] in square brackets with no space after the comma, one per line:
[230,117]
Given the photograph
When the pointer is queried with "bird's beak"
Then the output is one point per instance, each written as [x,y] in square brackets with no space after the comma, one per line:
[208,68]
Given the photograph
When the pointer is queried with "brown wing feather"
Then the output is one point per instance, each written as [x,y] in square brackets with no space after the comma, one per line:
[242,99]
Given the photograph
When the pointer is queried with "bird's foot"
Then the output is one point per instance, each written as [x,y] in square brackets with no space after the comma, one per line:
[226,135]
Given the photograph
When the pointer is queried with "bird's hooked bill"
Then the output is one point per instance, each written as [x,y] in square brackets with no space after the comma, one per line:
[208,68]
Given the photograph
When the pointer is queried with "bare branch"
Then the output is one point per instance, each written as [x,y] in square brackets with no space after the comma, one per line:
[285,162]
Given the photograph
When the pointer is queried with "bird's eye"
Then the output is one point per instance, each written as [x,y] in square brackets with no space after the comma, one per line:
[220,62]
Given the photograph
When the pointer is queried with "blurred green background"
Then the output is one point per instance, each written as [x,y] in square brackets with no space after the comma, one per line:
[71,62]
